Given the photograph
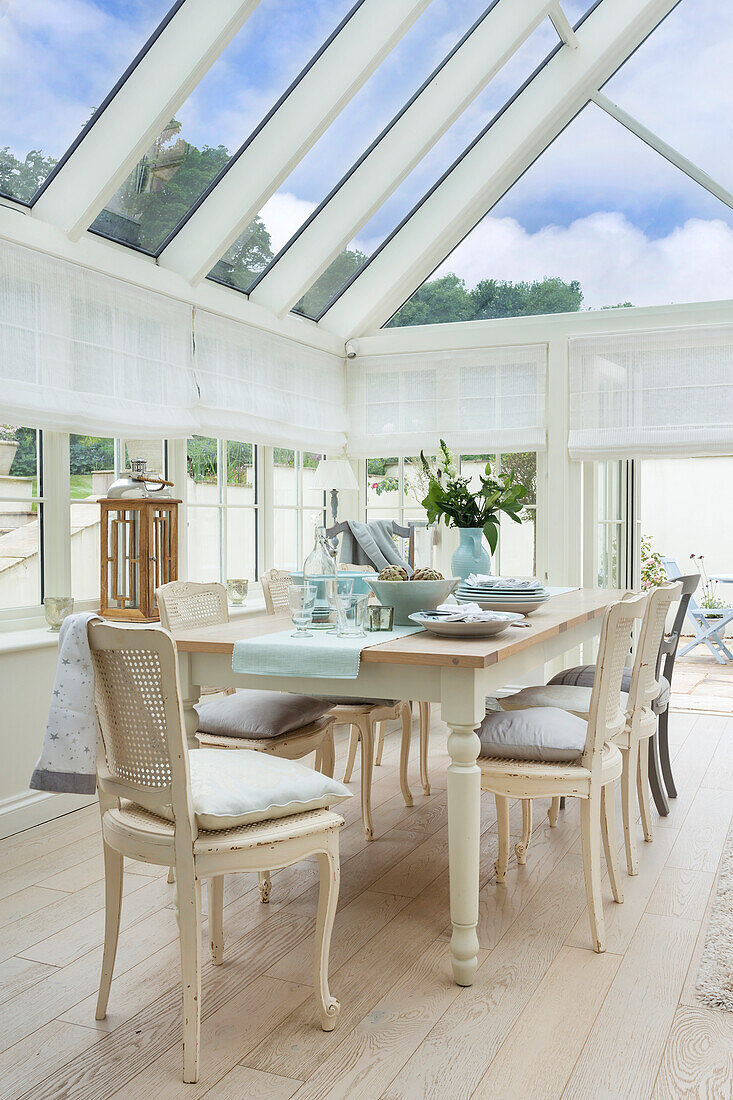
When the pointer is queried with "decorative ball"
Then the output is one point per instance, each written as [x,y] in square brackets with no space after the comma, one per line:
[427,575]
[393,573]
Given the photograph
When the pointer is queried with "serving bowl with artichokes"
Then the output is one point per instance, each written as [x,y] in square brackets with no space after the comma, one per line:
[423,591]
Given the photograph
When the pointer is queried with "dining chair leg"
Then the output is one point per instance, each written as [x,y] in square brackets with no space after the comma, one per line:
[171,876]
[351,759]
[655,777]
[215,891]
[327,755]
[610,841]
[381,728]
[590,832]
[523,846]
[664,754]
[406,719]
[265,885]
[553,812]
[502,821]
[113,876]
[366,733]
[189,926]
[424,722]
[628,800]
[328,867]
[642,788]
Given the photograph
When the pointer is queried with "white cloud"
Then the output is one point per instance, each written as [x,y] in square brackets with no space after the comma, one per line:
[283,214]
[612,259]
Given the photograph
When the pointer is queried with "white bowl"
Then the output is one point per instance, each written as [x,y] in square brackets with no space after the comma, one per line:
[409,596]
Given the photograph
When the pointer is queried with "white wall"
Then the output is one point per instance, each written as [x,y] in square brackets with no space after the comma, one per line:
[686,507]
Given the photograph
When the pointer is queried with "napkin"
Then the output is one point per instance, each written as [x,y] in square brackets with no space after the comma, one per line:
[485,580]
[472,613]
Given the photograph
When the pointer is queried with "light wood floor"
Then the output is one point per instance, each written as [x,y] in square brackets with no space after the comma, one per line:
[546,1018]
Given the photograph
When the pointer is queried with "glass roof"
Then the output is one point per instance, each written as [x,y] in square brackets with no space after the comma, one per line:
[398,77]
[247,79]
[457,138]
[58,61]
[598,220]
[678,84]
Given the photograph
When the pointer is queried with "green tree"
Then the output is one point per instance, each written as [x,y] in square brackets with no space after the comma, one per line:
[444,299]
[20,179]
[333,279]
[498,298]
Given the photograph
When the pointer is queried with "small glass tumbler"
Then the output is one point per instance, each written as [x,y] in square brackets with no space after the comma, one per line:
[380,617]
[354,613]
[302,599]
[237,591]
[56,608]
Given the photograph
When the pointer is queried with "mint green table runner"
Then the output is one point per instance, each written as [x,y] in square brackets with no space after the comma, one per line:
[324,655]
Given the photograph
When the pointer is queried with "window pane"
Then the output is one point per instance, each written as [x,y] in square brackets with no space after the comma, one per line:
[519,545]
[241,544]
[383,488]
[474,466]
[19,517]
[598,220]
[241,86]
[678,84]
[458,136]
[57,63]
[240,473]
[203,465]
[523,465]
[609,490]
[204,542]
[313,499]
[609,564]
[285,550]
[285,477]
[91,472]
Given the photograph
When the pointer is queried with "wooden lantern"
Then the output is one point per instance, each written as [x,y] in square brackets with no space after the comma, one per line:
[139,552]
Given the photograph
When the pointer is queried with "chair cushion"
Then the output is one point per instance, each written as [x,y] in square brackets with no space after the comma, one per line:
[583,675]
[257,714]
[539,733]
[345,701]
[235,788]
[576,700]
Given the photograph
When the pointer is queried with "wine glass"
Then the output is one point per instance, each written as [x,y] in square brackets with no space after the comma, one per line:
[302,598]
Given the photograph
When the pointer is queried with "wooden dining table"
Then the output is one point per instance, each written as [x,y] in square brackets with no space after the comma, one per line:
[457,673]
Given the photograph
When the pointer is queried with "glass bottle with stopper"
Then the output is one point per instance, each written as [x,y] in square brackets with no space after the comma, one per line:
[320,570]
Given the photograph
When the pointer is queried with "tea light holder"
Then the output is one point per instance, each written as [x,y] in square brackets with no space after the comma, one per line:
[237,591]
[56,608]
[380,617]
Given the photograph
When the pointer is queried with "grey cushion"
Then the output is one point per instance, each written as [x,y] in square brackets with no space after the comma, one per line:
[259,713]
[540,733]
[347,701]
[583,675]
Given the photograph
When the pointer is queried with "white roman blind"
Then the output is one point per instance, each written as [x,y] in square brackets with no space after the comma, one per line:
[256,385]
[485,399]
[652,393]
[81,352]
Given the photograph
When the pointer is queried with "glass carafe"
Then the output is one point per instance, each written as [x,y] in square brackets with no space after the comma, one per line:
[321,571]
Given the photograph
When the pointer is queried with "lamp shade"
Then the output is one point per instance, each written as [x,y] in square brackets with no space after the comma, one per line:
[334,473]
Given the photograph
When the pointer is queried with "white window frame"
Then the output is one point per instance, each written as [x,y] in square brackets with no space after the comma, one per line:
[300,508]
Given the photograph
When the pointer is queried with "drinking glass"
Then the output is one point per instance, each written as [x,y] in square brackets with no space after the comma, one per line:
[353,613]
[302,598]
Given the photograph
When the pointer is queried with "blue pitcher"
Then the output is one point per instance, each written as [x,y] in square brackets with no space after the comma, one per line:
[470,557]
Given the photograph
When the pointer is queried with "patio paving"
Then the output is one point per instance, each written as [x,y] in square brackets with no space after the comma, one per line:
[701,684]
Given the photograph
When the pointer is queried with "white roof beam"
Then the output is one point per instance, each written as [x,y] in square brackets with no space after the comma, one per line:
[290,130]
[667,151]
[450,89]
[168,70]
[496,159]
[561,23]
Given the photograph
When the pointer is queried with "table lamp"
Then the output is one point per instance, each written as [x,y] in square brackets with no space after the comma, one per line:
[334,474]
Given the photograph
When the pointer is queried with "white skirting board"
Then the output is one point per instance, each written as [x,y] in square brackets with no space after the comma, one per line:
[23,811]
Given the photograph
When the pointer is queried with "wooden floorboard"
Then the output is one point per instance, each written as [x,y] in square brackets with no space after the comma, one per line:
[546,1017]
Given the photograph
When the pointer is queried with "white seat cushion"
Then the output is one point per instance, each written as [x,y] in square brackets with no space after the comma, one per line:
[583,676]
[254,714]
[241,786]
[540,733]
[576,700]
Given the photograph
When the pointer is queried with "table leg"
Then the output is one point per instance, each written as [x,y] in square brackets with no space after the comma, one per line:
[463,712]
[189,697]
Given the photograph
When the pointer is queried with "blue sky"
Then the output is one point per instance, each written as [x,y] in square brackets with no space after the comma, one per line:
[59,57]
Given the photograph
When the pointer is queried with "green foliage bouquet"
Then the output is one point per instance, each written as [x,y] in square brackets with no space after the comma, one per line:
[449,497]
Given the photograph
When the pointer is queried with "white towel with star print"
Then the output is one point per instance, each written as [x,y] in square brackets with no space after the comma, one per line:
[68,760]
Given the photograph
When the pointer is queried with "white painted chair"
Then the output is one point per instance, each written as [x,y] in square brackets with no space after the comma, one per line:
[189,603]
[589,778]
[364,717]
[144,780]
[641,718]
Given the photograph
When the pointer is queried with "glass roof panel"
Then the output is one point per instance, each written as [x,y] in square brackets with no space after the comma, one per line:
[245,81]
[398,77]
[598,220]
[431,167]
[57,63]
[678,84]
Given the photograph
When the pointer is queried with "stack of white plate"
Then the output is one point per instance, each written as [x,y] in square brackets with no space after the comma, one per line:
[524,598]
